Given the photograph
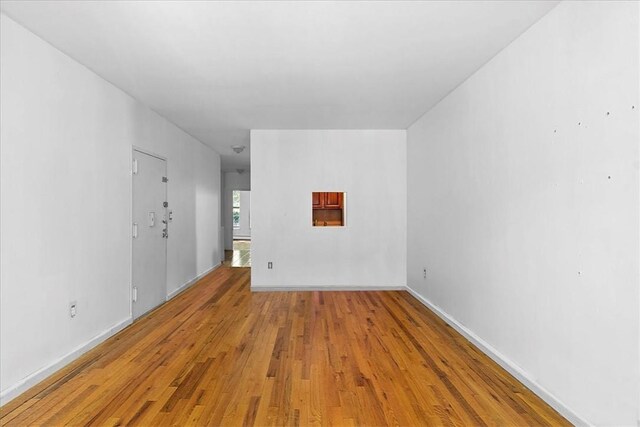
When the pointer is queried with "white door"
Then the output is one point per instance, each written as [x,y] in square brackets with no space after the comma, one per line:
[149,276]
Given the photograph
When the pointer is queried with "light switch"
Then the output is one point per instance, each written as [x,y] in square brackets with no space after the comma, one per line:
[152,219]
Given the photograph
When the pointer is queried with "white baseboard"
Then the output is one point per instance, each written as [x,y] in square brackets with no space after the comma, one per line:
[325,288]
[190,282]
[503,361]
[34,378]
[23,385]
[42,373]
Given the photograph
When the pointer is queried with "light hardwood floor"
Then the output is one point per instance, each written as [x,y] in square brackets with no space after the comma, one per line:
[241,254]
[218,354]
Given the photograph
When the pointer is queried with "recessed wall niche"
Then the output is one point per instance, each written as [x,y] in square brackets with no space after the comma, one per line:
[328,209]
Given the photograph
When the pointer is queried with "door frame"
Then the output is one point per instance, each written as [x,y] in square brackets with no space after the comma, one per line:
[249,219]
[227,201]
[166,247]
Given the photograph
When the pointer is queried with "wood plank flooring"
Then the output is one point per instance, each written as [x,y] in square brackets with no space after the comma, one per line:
[218,354]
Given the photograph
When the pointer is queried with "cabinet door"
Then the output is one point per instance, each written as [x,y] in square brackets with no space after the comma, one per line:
[317,200]
[333,200]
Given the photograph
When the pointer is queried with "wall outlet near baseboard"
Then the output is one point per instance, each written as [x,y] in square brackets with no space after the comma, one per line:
[73,309]
[424,273]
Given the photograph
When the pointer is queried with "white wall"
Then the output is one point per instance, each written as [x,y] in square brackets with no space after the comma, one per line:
[527,241]
[638,123]
[66,145]
[244,223]
[287,166]
[232,181]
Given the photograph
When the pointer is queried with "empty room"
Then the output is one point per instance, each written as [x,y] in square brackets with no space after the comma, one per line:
[347,213]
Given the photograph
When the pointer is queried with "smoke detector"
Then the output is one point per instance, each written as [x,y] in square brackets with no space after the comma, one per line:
[238,148]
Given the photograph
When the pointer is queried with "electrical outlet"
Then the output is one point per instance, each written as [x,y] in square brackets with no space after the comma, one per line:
[73,308]
[270,265]
[424,273]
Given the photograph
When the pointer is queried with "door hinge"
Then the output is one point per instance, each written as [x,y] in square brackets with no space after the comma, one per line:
[134,167]
[165,204]
[165,179]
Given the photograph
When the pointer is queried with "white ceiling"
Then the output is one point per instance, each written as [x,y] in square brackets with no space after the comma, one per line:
[218,69]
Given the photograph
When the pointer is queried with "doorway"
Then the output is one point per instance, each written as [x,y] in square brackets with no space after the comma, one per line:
[150,232]
[241,221]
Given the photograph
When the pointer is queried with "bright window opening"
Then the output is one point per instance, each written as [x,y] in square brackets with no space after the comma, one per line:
[236,209]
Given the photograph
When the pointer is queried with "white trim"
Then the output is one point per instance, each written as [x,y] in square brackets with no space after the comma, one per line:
[29,381]
[23,385]
[503,361]
[190,282]
[325,288]
[26,383]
